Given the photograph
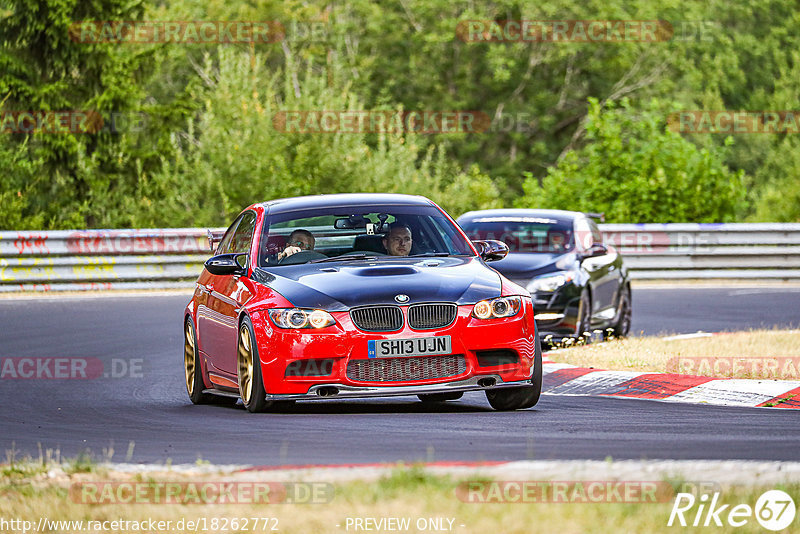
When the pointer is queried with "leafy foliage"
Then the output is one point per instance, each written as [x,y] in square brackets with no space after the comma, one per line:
[232,154]
[635,170]
[209,147]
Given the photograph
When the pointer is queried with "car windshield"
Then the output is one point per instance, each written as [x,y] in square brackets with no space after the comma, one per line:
[342,234]
[523,234]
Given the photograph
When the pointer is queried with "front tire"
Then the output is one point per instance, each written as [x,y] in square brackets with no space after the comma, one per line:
[583,325]
[251,381]
[623,324]
[522,397]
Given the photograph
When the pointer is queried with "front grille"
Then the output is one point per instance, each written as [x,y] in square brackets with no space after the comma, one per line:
[428,316]
[404,369]
[378,318]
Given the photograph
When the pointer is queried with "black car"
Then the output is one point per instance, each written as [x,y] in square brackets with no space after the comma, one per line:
[579,284]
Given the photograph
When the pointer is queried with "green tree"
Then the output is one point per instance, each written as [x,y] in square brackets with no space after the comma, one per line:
[233,154]
[635,170]
[71,180]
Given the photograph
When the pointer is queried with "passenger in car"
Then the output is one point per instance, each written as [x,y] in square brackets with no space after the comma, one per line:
[299,240]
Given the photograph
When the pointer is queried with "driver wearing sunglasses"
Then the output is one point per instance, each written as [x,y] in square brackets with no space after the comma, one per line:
[299,240]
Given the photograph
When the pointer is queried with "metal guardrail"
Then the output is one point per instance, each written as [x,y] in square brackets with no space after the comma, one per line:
[101,259]
[172,258]
[705,251]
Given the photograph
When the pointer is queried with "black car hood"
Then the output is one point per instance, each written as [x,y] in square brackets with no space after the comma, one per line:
[524,266]
[338,286]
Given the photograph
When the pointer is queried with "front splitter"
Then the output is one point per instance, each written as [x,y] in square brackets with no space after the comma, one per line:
[321,391]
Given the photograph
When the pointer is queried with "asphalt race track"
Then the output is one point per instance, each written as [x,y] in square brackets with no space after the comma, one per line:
[151,408]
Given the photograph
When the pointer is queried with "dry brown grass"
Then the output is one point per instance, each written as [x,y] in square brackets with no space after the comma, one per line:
[408,493]
[762,354]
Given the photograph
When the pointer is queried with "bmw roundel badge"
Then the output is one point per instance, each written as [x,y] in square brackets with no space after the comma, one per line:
[401,298]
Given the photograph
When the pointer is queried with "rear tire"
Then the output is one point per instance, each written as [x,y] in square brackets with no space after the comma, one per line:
[193,372]
[522,397]
[431,398]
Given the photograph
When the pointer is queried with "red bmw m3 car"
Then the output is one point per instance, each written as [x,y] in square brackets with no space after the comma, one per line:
[357,295]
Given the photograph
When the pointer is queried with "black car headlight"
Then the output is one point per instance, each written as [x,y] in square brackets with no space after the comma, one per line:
[550,282]
[300,318]
[497,308]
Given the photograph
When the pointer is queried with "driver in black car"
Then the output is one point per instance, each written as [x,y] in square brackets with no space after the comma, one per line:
[299,240]
[398,241]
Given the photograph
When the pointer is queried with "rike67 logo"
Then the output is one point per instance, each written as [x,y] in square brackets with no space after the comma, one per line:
[774,510]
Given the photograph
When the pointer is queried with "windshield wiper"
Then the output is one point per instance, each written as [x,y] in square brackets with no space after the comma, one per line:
[345,257]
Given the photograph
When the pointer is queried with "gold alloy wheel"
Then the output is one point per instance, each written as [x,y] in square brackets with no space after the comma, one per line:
[188,357]
[245,364]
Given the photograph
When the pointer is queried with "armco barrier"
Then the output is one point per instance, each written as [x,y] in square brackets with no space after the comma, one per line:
[690,251]
[172,258]
[101,259]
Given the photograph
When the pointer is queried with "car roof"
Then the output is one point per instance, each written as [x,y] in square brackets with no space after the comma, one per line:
[561,216]
[343,199]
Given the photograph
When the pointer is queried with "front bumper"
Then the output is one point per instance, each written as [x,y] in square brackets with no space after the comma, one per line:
[343,344]
[557,315]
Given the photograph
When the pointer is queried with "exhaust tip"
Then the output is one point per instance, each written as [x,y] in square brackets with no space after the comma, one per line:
[327,391]
[487,382]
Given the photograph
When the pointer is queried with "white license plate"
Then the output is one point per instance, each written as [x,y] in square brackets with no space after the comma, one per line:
[418,346]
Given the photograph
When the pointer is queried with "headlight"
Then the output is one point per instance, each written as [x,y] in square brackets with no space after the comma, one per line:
[300,318]
[499,307]
[549,282]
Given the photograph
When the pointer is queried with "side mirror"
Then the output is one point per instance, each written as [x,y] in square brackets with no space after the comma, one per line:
[598,249]
[226,264]
[491,250]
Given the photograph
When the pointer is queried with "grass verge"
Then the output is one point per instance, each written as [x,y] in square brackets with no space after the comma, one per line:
[756,354]
[425,500]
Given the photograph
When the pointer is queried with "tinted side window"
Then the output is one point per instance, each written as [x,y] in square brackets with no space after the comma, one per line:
[584,237]
[243,236]
[597,235]
[224,246]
